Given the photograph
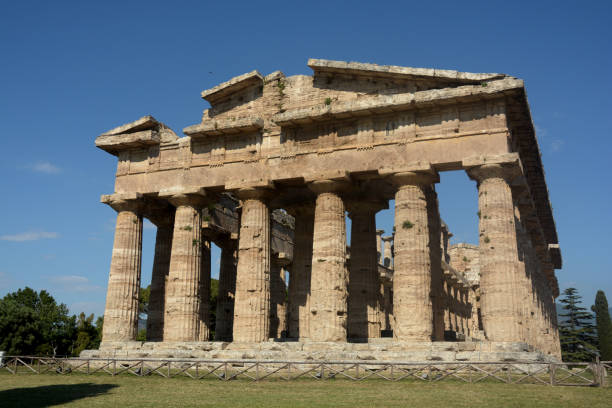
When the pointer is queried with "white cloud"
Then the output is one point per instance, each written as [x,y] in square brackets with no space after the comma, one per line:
[29,236]
[557,145]
[540,131]
[45,167]
[74,283]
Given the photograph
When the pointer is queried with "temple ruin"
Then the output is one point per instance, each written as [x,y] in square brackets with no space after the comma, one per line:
[269,175]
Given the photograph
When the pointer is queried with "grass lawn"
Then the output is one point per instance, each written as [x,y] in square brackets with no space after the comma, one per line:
[79,390]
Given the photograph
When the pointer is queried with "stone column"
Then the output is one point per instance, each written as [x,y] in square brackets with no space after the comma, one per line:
[182,318]
[161,268]
[379,245]
[300,273]
[278,296]
[498,253]
[412,305]
[252,304]
[121,313]
[448,321]
[437,274]
[227,290]
[204,314]
[387,243]
[364,282]
[329,280]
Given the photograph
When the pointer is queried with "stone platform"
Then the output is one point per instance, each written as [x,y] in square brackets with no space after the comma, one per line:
[377,350]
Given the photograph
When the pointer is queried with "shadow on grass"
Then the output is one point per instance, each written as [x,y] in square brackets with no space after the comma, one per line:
[49,395]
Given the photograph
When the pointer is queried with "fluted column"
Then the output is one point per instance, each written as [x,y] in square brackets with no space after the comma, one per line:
[278,296]
[498,254]
[364,283]
[121,312]
[204,291]
[387,244]
[300,272]
[182,318]
[448,321]
[252,303]
[379,246]
[161,268]
[329,280]
[437,274]
[227,290]
[412,304]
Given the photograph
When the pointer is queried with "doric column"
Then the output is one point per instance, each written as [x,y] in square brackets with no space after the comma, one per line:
[204,313]
[300,273]
[164,220]
[364,282]
[121,313]
[448,321]
[252,303]
[379,245]
[329,280]
[498,253]
[227,290]
[278,296]
[182,318]
[387,242]
[437,274]
[412,304]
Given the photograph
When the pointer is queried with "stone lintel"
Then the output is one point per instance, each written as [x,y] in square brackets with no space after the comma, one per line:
[234,85]
[382,104]
[419,166]
[505,159]
[123,201]
[242,184]
[231,126]
[397,72]
[335,175]
[145,131]
[193,196]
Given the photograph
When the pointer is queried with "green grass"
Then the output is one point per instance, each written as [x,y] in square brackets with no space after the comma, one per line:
[79,390]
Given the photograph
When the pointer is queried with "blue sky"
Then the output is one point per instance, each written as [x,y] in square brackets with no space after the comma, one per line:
[72,70]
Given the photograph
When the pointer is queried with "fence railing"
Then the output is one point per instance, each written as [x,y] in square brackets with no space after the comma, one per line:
[510,372]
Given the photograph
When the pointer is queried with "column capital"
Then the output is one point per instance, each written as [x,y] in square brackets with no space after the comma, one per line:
[304,208]
[365,206]
[418,178]
[254,193]
[193,197]
[124,201]
[483,172]
[328,186]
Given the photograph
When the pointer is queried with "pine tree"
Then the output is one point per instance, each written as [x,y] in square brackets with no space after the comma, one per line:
[576,330]
[604,326]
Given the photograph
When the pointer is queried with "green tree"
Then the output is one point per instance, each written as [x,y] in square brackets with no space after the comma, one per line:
[576,331]
[33,323]
[143,300]
[87,336]
[604,326]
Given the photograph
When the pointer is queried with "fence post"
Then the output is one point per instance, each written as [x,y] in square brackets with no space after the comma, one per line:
[552,369]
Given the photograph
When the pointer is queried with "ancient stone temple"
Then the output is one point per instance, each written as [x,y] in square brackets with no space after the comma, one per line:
[269,175]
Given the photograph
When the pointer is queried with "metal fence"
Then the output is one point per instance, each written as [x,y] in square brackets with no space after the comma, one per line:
[509,372]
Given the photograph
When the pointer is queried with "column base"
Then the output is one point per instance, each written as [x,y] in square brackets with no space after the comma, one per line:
[381,349]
